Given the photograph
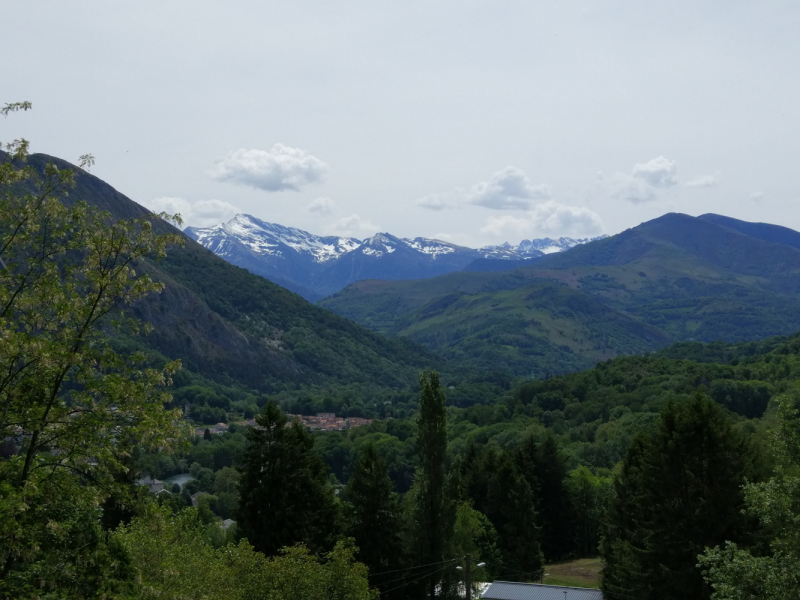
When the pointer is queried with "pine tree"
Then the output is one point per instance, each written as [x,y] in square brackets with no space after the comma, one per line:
[285,497]
[434,512]
[678,492]
[373,513]
[497,488]
[544,469]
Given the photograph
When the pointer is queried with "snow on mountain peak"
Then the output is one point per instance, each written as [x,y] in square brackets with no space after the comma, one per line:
[271,239]
[380,244]
[263,238]
[550,246]
[432,248]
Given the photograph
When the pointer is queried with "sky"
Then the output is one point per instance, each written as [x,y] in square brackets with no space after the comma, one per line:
[471,121]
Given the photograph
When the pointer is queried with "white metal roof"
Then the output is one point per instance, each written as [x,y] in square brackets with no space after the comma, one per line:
[510,590]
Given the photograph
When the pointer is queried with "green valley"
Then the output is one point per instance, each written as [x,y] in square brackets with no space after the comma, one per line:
[244,336]
[672,279]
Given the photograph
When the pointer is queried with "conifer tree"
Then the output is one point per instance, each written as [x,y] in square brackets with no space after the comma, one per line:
[679,491]
[497,488]
[544,469]
[373,513]
[285,497]
[434,512]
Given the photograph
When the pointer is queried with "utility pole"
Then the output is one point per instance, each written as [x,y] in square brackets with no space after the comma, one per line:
[468,577]
[467,568]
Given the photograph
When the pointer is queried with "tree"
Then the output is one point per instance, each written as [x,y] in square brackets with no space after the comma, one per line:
[494,483]
[433,511]
[77,406]
[284,494]
[474,534]
[589,496]
[172,560]
[544,469]
[736,573]
[373,512]
[678,491]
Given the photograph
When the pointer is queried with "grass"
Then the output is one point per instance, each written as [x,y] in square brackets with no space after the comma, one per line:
[583,572]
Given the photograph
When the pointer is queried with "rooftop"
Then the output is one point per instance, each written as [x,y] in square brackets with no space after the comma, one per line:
[510,590]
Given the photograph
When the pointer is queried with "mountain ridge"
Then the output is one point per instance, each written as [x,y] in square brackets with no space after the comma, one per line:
[681,278]
[236,328]
[317,266]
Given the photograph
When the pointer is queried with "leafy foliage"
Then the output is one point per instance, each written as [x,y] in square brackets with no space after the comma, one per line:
[172,560]
[738,573]
[71,407]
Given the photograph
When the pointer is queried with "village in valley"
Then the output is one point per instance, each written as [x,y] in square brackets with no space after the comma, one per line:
[318,422]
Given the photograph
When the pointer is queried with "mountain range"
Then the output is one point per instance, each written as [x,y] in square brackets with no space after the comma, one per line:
[233,328]
[318,266]
[675,278]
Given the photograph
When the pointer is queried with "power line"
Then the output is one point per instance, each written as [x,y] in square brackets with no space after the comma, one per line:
[404,577]
[414,567]
[536,575]
[415,580]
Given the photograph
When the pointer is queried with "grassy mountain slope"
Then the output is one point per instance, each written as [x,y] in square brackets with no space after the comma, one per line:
[237,328]
[671,279]
[762,231]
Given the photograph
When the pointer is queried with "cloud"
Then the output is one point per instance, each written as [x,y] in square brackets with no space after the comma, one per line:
[442,201]
[276,170]
[659,172]
[632,189]
[703,181]
[321,206]
[509,188]
[203,213]
[757,197]
[355,226]
[645,180]
[548,218]
[506,189]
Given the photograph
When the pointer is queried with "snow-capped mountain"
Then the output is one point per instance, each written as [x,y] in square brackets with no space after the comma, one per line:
[271,239]
[550,246]
[317,266]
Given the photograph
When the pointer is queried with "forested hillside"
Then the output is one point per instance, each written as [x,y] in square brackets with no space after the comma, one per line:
[555,447]
[231,328]
[672,279]
[651,461]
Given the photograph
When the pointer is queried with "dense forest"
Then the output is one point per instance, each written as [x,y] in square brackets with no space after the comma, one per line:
[124,475]
[674,278]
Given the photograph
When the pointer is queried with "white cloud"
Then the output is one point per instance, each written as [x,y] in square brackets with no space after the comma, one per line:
[506,189]
[660,172]
[645,180]
[203,213]
[509,188]
[321,206]
[631,188]
[703,181]
[355,226]
[442,201]
[276,170]
[548,218]
[757,197]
